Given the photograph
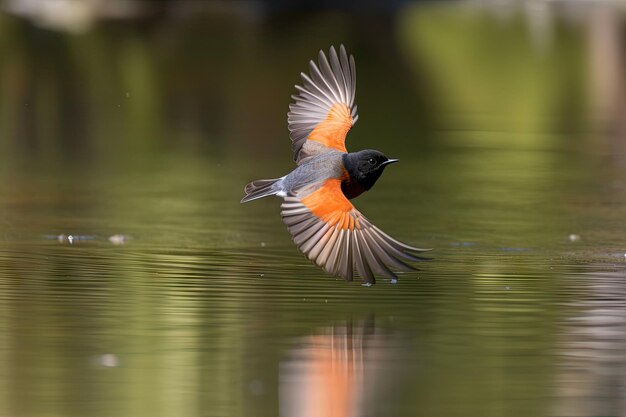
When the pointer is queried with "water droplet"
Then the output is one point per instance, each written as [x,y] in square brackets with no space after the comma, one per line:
[118,239]
[109,360]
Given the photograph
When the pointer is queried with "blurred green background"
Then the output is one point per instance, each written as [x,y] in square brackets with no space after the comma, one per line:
[132,282]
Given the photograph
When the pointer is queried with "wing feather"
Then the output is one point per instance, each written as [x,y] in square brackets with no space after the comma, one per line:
[323,79]
[349,74]
[384,256]
[323,109]
[319,246]
[353,72]
[316,89]
[329,78]
[361,262]
[331,232]
[339,75]
[372,258]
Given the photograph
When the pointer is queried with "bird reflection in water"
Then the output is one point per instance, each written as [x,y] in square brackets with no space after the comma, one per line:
[343,371]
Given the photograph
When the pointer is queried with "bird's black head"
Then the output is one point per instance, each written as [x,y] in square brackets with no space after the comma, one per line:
[366,166]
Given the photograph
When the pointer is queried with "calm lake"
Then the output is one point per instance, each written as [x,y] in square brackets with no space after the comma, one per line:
[134,283]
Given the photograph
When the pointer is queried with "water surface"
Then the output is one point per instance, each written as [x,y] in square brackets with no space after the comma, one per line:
[132,282]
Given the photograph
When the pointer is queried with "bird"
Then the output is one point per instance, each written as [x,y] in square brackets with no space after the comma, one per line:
[316,206]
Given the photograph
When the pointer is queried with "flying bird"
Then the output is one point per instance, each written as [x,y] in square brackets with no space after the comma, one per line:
[316,206]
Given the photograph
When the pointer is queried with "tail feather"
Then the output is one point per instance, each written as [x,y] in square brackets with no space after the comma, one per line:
[260,188]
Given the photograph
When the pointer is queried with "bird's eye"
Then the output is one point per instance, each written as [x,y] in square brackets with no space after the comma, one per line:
[371,161]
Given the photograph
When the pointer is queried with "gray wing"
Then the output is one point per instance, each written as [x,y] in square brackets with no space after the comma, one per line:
[345,242]
[323,110]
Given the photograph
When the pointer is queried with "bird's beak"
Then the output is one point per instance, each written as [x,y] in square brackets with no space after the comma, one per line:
[390,161]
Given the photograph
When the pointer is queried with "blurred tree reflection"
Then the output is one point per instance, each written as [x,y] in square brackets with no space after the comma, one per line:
[221,78]
[487,75]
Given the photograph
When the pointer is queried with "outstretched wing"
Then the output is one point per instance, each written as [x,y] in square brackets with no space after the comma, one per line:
[323,110]
[336,236]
